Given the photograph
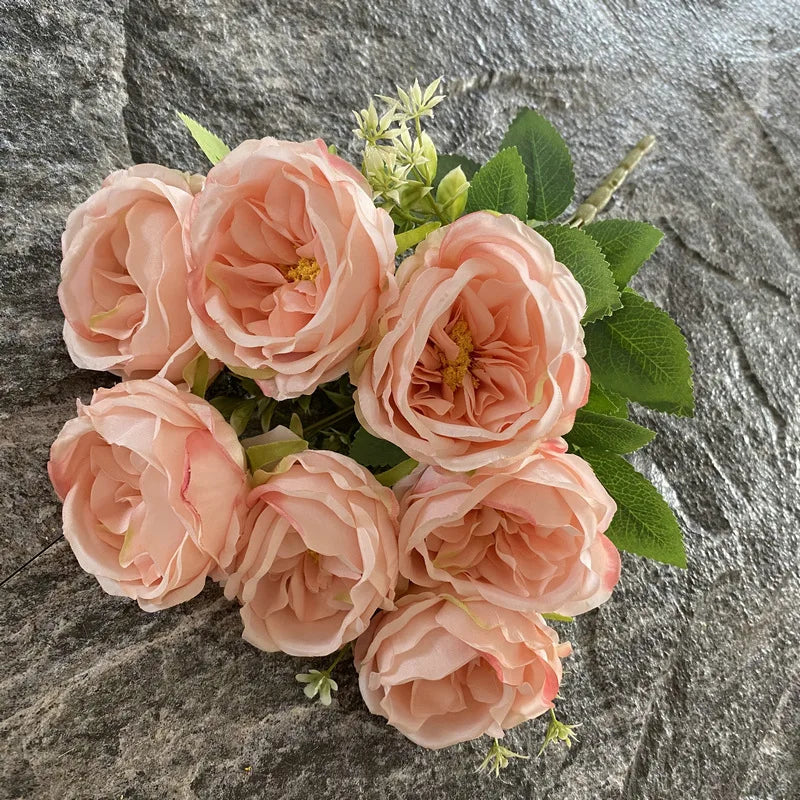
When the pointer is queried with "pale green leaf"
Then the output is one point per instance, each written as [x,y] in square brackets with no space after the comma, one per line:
[644,524]
[602,432]
[448,162]
[640,353]
[548,164]
[584,259]
[405,241]
[213,147]
[260,456]
[296,425]
[500,185]
[391,476]
[370,451]
[626,245]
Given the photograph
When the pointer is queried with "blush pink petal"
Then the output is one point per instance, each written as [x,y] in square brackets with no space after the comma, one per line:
[443,669]
[529,536]
[266,206]
[320,555]
[123,284]
[523,375]
[154,487]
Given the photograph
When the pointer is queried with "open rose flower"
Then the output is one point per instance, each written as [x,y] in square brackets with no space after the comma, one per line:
[320,555]
[124,275]
[291,262]
[153,485]
[528,537]
[444,670]
[482,355]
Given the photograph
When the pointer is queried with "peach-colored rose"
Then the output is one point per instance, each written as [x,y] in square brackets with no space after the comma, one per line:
[482,355]
[153,484]
[124,275]
[320,555]
[291,262]
[444,670]
[528,537]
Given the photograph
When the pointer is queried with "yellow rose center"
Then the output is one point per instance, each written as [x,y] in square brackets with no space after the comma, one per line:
[313,555]
[453,371]
[306,269]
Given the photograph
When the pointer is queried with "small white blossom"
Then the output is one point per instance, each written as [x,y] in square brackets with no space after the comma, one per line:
[317,683]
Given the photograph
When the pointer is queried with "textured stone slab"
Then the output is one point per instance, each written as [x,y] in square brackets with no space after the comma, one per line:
[687,682]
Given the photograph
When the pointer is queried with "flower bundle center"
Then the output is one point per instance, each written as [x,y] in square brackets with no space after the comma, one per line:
[306,269]
[454,370]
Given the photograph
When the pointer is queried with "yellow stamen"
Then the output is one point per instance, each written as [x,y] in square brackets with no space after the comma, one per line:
[453,372]
[314,555]
[306,269]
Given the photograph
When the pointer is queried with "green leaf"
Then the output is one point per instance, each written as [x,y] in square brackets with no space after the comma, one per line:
[295,425]
[391,476]
[267,410]
[405,241]
[225,405]
[640,353]
[602,432]
[448,162]
[626,245]
[196,374]
[370,451]
[644,524]
[584,259]
[604,402]
[213,147]
[262,455]
[241,415]
[548,164]
[500,185]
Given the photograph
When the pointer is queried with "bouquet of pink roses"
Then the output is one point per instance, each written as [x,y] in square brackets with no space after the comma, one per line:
[431,466]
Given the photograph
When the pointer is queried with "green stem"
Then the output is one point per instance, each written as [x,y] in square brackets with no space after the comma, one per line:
[341,414]
[599,198]
[339,656]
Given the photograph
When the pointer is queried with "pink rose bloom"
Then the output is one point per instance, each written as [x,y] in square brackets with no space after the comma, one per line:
[528,537]
[320,558]
[153,483]
[124,273]
[482,355]
[443,670]
[291,262]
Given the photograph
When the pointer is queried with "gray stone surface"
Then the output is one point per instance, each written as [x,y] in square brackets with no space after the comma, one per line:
[687,682]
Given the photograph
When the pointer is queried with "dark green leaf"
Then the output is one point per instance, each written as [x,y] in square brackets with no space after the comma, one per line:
[500,185]
[602,432]
[640,353]
[241,415]
[548,164]
[448,162]
[370,451]
[267,410]
[644,524]
[626,245]
[226,405]
[584,259]
[604,402]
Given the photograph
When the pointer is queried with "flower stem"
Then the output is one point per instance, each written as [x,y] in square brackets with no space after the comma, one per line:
[598,199]
[339,656]
[342,413]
